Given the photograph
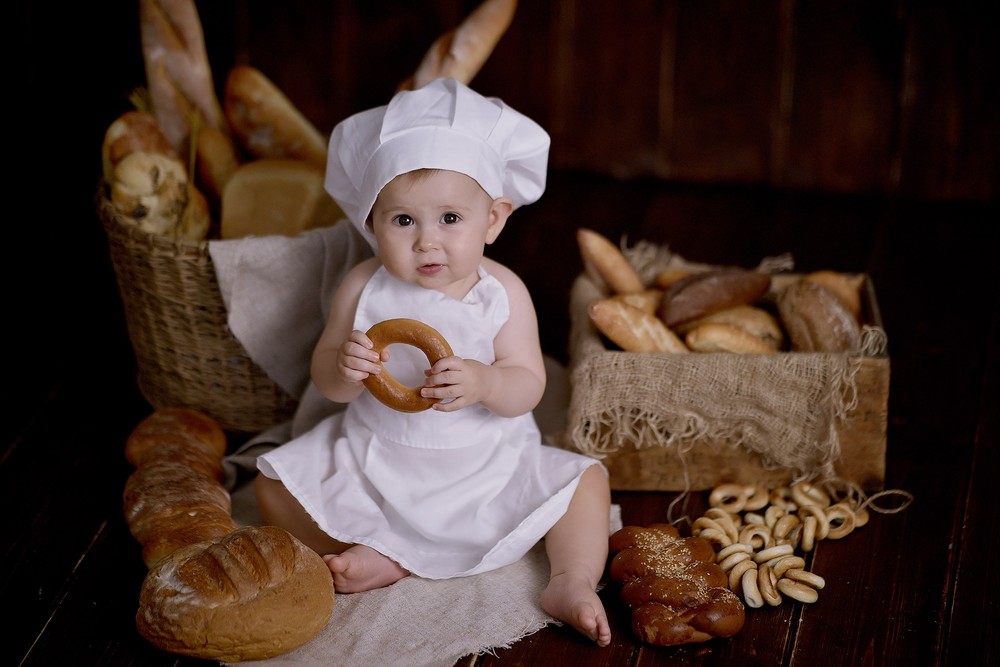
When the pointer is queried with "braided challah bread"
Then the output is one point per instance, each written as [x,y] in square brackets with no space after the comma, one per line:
[675,590]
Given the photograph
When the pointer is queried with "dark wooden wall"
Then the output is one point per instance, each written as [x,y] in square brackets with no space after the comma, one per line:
[893,99]
[884,96]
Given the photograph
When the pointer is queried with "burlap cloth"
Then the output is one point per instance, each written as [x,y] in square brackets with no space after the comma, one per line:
[785,407]
[277,291]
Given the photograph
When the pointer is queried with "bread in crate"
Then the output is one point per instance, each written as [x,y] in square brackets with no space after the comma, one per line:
[798,402]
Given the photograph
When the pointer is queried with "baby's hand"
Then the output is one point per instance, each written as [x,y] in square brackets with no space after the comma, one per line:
[465,380]
[357,359]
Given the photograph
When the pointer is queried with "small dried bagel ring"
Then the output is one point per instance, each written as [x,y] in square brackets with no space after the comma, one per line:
[808,533]
[736,575]
[774,552]
[797,591]
[766,582]
[730,561]
[822,521]
[387,389]
[758,498]
[759,537]
[804,494]
[841,519]
[810,579]
[782,497]
[751,593]
[734,548]
[785,563]
[729,497]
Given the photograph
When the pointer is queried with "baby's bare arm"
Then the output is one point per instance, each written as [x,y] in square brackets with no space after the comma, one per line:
[343,358]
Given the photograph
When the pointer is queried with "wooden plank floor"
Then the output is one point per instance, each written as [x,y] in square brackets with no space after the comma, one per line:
[915,588]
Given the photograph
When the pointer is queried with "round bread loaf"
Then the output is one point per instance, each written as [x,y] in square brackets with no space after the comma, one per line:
[253,594]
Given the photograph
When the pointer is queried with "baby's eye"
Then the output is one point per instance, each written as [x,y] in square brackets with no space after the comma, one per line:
[403,220]
[450,218]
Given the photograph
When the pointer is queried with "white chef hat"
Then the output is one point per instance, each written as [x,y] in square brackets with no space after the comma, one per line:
[442,125]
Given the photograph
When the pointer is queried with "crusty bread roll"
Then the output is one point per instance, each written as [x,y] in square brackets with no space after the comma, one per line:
[253,594]
[266,122]
[178,74]
[707,292]
[132,132]
[752,319]
[846,286]
[276,196]
[719,337]
[675,591]
[151,189]
[461,53]
[646,300]
[605,263]
[632,329]
[817,320]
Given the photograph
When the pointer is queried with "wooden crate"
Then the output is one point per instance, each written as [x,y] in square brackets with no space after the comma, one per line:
[641,466]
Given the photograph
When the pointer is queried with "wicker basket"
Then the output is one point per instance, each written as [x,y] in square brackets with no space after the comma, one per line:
[177,323]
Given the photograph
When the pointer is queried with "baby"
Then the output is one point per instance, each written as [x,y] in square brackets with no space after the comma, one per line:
[468,486]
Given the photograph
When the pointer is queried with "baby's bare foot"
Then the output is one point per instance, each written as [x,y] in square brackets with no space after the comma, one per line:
[573,600]
[361,568]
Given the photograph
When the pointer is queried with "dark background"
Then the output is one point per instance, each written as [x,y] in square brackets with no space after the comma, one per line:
[890,104]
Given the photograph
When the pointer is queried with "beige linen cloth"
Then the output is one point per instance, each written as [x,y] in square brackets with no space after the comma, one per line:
[277,291]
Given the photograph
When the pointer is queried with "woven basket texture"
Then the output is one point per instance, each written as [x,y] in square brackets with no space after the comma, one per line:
[185,353]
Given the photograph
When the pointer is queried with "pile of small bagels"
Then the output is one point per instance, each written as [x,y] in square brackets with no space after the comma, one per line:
[720,309]
[761,535]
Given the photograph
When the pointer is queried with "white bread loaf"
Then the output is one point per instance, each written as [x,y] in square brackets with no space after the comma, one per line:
[276,196]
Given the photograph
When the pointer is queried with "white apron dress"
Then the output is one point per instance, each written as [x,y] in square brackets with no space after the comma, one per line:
[442,494]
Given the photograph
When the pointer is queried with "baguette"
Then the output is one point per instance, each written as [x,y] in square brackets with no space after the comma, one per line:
[461,53]
[178,74]
[632,329]
[606,264]
[266,122]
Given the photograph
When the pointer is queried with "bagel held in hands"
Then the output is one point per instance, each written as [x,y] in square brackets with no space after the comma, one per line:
[388,389]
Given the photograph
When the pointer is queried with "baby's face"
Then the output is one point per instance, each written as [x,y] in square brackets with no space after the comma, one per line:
[432,228]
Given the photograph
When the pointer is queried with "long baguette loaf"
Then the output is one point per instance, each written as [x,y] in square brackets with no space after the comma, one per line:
[461,53]
[214,590]
[266,122]
[178,74]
